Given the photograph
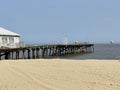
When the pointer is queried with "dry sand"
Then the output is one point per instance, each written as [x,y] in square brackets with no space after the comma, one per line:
[59,75]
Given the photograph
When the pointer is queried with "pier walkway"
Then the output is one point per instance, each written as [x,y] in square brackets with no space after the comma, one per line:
[44,51]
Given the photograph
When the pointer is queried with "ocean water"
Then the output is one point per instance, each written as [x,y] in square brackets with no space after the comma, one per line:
[102,51]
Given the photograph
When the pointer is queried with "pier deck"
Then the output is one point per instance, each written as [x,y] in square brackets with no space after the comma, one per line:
[43,51]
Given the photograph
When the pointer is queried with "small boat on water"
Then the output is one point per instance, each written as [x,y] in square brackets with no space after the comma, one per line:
[111,42]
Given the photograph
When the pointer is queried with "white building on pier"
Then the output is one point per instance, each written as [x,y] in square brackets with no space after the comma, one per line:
[9,39]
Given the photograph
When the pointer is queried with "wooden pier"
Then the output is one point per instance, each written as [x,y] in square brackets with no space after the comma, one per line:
[45,51]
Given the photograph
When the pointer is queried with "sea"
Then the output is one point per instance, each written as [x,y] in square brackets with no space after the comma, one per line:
[101,52]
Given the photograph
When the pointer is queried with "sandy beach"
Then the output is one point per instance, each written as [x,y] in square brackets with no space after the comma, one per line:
[59,74]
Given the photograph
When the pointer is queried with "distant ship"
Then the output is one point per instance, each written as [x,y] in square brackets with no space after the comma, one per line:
[111,42]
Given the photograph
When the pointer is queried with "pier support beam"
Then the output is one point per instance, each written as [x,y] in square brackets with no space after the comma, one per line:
[7,55]
[43,52]
[17,54]
[28,53]
[33,53]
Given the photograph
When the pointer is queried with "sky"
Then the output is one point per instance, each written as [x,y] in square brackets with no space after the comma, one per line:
[49,21]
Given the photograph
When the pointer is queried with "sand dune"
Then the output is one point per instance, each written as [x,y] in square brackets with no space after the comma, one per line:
[59,74]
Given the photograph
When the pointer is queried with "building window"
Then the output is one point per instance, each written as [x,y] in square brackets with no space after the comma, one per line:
[4,40]
[11,40]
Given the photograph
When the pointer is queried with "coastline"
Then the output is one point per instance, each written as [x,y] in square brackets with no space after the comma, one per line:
[60,74]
